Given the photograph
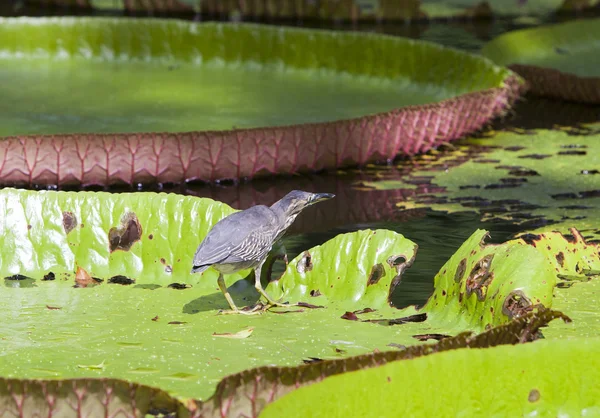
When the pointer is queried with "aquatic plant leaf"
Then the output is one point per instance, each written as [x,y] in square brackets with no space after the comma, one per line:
[245,393]
[485,285]
[248,392]
[85,397]
[559,61]
[515,378]
[361,268]
[132,316]
[211,100]
[106,236]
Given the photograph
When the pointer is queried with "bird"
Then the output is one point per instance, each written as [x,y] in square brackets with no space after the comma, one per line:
[244,239]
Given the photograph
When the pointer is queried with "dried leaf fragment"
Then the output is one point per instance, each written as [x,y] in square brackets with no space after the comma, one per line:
[245,333]
[93,366]
[83,278]
[53,308]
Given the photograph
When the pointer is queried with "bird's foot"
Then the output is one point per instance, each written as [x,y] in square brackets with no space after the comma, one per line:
[257,309]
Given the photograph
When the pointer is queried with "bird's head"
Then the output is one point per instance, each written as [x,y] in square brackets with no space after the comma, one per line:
[295,201]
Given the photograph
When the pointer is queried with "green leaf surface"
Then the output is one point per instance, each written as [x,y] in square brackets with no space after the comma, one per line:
[572,47]
[365,279]
[152,333]
[545,378]
[246,393]
[168,75]
[484,285]
[169,336]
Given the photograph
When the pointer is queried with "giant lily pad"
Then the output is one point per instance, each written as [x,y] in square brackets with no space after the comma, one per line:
[245,394]
[152,322]
[212,101]
[525,379]
[559,61]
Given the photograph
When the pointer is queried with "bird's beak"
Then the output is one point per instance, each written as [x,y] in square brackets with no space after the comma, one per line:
[317,197]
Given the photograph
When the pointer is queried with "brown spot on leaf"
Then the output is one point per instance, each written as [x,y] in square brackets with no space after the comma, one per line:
[155,318]
[530,239]
[560,258]
[29,227]
[309,306]
[315,293]
[535,156]
[534,395]
[305,263]
[53,308]
[572,152]
[523,172]
[516,304]
[377,272]
[177,323]
[125,235]
[150,236]
[399,321]
[163,261]
[364,311]
[350,316]
[179,286]
[17,277]
[480,278]
[122,280]
[460,270]
[425,337]
[69,221]
[49,276]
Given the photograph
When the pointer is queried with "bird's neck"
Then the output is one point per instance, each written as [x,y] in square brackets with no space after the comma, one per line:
[285,218]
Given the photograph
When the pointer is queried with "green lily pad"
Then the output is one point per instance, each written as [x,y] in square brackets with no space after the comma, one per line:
[199,96]
[245,393]
[528,378]
[559,61]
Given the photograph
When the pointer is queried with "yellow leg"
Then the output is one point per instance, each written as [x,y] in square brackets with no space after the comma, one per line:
[234,309]
[258,286]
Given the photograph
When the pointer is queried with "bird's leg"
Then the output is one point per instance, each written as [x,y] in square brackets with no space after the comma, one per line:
[258,286]
[234,309]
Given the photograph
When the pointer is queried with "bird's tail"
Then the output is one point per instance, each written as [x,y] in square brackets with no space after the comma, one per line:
[199,269]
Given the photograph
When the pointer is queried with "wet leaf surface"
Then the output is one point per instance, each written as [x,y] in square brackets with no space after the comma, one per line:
[245,393]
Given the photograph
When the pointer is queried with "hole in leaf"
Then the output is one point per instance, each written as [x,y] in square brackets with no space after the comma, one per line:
[377,272]
[69,221]
[305,263]
[127,234]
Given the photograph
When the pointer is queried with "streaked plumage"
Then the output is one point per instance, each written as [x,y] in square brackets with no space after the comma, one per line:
[243,239]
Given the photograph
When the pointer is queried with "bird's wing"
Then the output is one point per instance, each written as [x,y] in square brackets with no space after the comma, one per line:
[233,238]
